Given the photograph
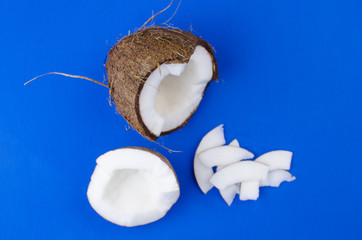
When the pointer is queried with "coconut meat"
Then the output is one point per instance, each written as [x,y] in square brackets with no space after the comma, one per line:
[229,193]
[172,92]
[249,190]
[276,177]
[203,173]
[243,171]
[234,143]
[234,173]
[224,155]
[278,159]
[131,187]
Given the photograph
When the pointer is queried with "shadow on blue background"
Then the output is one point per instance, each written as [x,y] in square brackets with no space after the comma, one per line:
[290,78]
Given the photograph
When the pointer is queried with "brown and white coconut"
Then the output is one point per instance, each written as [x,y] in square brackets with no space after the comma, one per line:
[133,186]
[157,77]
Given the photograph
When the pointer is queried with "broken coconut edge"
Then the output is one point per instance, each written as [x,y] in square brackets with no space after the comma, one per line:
[94,196]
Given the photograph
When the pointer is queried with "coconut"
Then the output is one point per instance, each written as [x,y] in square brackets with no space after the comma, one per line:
[157,77]
[133,186]
[224,155]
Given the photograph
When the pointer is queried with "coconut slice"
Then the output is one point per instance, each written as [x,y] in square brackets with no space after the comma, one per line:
[278,159]
[276,177]
[243,171]
[133,186]
[157,78]
[229,193]
[224,155]
[234,143]
[203,173]
[249,190]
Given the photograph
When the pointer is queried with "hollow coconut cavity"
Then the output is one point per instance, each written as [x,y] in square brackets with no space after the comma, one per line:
[157,78]
[133,186]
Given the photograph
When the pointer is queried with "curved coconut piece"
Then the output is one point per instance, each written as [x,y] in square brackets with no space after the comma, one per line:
[133,186]
[234,143]
[203,173]
[224,155]
[239,172]
[278,159]
[246,190]
[229,193]
[157,78]
[276,177]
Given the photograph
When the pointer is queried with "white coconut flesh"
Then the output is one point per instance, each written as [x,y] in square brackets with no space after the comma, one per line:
[229,193]
[131,187]
[172,92]
[276,177]
[249,190]
[239,172]
[224,155]
[235,172]
[234,143]
[212,139]
[278,159]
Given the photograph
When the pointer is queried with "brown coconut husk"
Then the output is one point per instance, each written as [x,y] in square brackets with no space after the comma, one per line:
[136,56]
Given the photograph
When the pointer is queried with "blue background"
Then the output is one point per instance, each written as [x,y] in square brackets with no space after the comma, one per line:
[290,78]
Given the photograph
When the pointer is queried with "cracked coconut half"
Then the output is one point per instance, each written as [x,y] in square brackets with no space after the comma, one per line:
[157,78]
[133,186]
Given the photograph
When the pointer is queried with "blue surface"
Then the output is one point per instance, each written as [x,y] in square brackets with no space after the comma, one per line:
[290,78]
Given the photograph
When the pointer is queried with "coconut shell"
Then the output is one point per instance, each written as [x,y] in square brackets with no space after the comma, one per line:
[136,56]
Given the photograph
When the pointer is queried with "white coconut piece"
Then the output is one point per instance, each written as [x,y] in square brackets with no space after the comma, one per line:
[276,177]
[229,193]
[243,171]
[234,143]
[203,173]
[249,190]
[224,155]
[132,186]
[278,159]
[173,91]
